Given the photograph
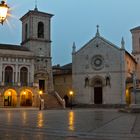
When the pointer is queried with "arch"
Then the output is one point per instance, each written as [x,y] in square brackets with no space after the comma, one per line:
[8,77]
[26,97]
[24,76]
[10,98]
[40,30]
[128,96]
[97,81]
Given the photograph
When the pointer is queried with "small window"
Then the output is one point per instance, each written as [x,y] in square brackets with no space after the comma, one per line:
[40,30]
[97,45]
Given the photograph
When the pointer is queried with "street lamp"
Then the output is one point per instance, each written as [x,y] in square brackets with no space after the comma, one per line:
[40,93]
[3,11]
[134,84]
[71,94]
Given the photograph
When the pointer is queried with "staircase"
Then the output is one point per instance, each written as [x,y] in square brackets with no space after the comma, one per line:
[51,101]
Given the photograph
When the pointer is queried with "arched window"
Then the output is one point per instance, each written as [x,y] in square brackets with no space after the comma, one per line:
[26,31]
[24,76]
[86,81]
[8,75]
[40,30]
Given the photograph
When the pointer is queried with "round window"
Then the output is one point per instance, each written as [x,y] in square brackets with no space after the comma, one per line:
[97,62]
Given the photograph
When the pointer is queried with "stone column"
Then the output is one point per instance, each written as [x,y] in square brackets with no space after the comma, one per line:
[16,76]
[18,100]
[3,75]
[28,78]
[32,72]
[0,70]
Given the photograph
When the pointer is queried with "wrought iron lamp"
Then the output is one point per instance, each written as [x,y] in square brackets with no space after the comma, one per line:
[3,11]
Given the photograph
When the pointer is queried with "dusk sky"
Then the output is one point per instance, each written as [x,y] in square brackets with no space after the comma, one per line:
[76,20]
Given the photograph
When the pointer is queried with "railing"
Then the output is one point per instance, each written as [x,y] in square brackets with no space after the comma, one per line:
[62,101]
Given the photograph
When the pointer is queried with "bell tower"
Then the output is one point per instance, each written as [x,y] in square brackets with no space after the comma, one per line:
[36,36]
[135,40]
[136,48]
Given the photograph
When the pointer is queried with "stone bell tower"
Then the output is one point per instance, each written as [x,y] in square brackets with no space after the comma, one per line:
[136,48]
[36,30]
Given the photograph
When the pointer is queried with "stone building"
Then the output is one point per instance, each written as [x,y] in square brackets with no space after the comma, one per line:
[27,68]
[62,79]
[101,70]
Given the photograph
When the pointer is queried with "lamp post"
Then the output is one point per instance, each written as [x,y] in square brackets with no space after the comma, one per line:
[134,84]
[40,93]
[71,94]
[133,75]
[3,11]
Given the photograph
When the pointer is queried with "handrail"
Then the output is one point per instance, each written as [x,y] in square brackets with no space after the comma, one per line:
[62,101]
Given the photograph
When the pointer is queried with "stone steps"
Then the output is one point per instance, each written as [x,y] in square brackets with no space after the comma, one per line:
[51,102]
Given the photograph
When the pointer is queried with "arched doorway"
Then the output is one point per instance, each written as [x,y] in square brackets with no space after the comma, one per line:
[10,98]
[26,98]
[98,93]
[128,96]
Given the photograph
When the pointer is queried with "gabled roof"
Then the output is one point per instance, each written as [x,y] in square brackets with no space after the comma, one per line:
[136,28]
[13,47]
[103,39]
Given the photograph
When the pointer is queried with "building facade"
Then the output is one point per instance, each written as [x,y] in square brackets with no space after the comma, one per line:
[62,79]
[27,68]
[101,72]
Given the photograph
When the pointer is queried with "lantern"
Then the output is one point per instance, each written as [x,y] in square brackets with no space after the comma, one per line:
[3,11]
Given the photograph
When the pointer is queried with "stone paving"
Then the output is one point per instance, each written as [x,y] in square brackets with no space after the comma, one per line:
[78,124]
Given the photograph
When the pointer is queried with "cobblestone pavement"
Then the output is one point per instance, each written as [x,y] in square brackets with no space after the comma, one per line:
[78,124]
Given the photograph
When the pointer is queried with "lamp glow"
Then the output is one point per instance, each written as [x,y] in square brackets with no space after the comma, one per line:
[71,93]
[9,93]
[40,92]
[3,11]
[24,92]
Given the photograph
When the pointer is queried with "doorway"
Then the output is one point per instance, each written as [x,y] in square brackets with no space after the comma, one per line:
[10,98]
[98,97]
[26,98]
[42,85]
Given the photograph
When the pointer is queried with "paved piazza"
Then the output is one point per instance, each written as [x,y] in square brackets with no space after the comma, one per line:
[78,124]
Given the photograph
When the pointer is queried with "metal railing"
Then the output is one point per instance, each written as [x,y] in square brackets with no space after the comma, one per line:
[62,101]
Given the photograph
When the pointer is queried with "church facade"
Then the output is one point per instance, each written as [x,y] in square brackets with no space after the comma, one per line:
[27,68]
[103,73]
